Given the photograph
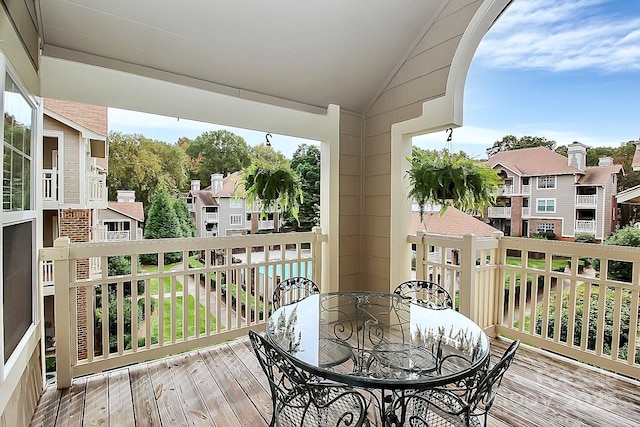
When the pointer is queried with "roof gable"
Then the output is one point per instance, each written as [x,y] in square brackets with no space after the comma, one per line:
[533,161]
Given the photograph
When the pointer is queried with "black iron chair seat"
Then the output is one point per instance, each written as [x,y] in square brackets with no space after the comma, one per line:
[428,294]
[334,351]
[405,357]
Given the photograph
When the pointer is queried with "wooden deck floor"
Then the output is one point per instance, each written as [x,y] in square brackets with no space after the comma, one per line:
[224,386]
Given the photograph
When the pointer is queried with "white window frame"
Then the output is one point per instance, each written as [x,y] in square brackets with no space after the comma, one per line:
[9,218]
[233,221]
[235,203]
[543,227]
[546,178]
[546,205]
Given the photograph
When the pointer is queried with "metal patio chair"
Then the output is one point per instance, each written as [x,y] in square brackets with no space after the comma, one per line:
[426,293]
[292,290]
[457,407]
[301,399]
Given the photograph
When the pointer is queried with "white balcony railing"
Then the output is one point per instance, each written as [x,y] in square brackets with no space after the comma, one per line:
[264,225]
[46,278]
[499,212]
[585,226]
[526,189]
[115,236]
[586,200]
[526,212]
[97,190]
[541,284]
[210,217]
[50,185]
[505,190]
[228,285]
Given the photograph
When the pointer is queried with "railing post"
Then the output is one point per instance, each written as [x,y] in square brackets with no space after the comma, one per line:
[421,254]
[467,277]
[316,253]
[62,312]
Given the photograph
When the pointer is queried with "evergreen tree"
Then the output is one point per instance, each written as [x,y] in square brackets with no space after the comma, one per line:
[187,223]
[162,223]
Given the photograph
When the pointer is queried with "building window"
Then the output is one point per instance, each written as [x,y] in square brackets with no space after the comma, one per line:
[235,203]
[235,219]
[211,209]
[18,218]
[546,182]
[546,205]
[543,227]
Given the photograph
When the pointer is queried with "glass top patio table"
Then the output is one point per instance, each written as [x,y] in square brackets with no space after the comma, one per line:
[379,340]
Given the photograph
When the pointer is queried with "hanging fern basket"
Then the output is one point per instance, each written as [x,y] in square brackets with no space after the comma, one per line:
[271,187]
[448,179]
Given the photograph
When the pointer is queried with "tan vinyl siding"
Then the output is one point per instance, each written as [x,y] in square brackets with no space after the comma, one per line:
[71,158]
[422,76]
[350,183]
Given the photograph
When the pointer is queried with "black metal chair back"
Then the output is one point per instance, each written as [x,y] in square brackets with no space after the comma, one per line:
[463,404]
[292,290]
[426,293]
[483,396]
[300,399]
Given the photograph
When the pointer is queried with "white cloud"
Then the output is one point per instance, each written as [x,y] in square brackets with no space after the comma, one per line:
[562,35]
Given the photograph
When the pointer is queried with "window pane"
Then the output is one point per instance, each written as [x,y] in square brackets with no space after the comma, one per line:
[18,121]
[17,258]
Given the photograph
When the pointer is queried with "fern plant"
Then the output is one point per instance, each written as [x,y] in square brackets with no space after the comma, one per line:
[450,179]
[271,187]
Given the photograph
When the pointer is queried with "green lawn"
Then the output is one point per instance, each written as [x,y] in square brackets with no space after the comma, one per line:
[243,297]
[153,283]
[168,315]
[557,264]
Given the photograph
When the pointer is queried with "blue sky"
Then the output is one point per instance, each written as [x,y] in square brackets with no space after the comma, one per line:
[567,70]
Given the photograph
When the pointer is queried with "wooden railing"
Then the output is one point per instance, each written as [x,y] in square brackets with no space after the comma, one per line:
[97,190]
[218,290]
[50,185]
[588,226]
[585,200]
[576,299]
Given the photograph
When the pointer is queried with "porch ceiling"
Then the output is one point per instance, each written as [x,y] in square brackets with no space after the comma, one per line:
[312,52]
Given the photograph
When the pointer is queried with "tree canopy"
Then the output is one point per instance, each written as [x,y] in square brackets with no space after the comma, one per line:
[267,154]
[306,163]
[217,151]
[162,223]
[141,164]
[511,142]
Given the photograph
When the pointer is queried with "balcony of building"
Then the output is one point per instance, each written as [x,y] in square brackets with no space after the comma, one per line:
[230,280]
[499,212]
[96,190]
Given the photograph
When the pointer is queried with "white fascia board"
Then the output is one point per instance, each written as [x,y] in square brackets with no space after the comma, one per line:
[98,85]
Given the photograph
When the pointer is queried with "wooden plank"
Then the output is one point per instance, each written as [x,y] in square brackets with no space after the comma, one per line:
[240,402]
[220,410]
[47,409]
[244,371]
[120,399]
[165,394]
[193,406]
[96,402]
[72,401]
[145,409]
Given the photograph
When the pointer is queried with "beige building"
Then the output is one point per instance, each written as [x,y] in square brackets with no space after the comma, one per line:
[545,192]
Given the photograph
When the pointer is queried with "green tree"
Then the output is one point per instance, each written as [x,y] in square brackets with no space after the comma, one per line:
[187,223]
[267,154]
[306,163]
[141,164]
[621,270]
[217,151]
[510,142]
[162,223]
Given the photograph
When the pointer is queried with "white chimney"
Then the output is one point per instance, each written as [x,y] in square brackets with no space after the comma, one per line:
[577,154]
[195,185]
[605,161]
[125,196]
[216,183]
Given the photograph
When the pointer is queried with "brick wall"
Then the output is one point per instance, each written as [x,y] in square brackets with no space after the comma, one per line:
[76,225]
[516,216]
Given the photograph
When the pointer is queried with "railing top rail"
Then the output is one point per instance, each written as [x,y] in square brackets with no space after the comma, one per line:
[582,250]
[113,248]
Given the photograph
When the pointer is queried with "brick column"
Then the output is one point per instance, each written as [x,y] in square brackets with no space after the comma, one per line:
[76,225]
[516,216]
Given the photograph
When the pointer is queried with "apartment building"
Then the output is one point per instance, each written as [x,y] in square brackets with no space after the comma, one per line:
[543,191]
[121,220]
[220,210]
